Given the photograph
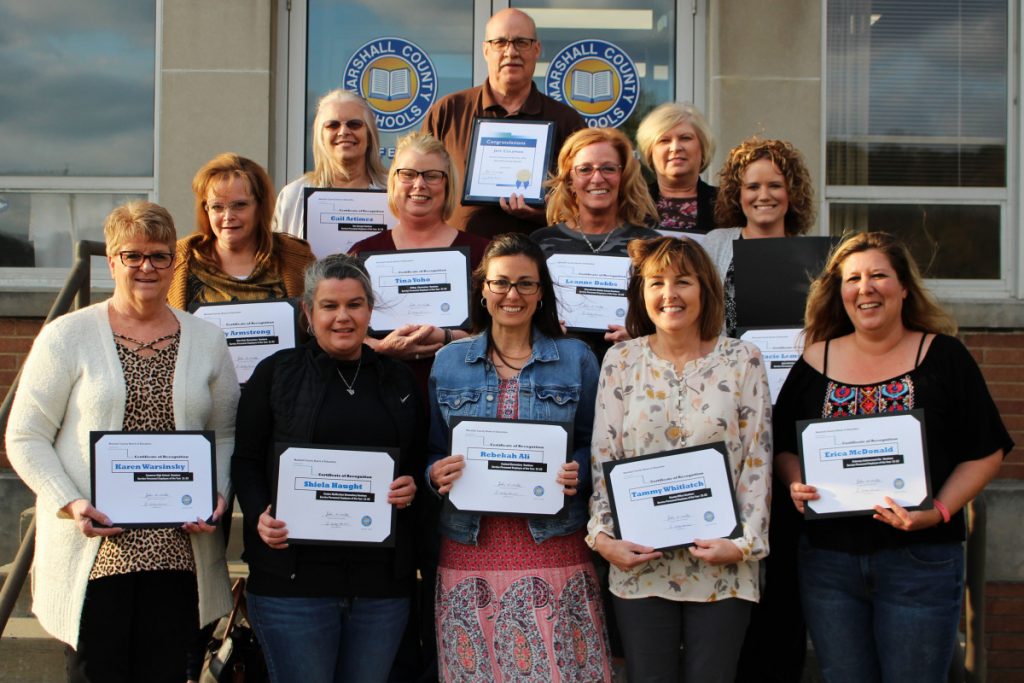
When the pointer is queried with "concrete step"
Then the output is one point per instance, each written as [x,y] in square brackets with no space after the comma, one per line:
[29,655]
[24,602]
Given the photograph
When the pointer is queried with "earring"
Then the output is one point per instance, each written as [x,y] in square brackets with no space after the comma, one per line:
[540,304]
[309,328]
[483,301]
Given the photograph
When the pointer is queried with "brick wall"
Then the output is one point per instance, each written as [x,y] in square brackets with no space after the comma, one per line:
[1001,357]
[16,335]
[1004,632]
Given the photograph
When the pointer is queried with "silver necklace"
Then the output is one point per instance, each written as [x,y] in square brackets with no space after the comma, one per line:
[350,387]
[600,246]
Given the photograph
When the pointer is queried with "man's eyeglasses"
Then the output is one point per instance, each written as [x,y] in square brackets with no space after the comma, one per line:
[524,287]
[606,170]
[351,124]
[134,259]
[519,44]
[409,175]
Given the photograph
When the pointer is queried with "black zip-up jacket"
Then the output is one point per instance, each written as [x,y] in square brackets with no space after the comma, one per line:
[706,195]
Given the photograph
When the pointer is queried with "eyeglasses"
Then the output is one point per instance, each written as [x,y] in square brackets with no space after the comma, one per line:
[351,124]
[519,44]
[524,287]
[409,175]
[235,207]
[606,171]
[134,259]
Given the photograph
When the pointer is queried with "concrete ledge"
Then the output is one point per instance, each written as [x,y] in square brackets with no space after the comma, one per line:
[1004,553]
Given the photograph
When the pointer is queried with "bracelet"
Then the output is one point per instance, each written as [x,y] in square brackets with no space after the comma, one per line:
[447,336]
[943,510]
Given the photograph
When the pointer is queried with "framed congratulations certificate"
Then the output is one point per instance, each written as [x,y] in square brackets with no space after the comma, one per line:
[780,348]
[668,500]
[153,479]
[590,290]
[252,329]
[511,466]
[421,286]
[335,219]
[854,462]
[335,495]
[507,156]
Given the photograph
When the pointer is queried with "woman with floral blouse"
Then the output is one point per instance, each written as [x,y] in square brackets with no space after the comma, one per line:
[677,384]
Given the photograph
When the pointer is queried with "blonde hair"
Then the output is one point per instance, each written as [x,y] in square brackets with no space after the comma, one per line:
[226,166]
[825,316]
[425,143]
[138,220]
[325,166]
[635,203]
[664,118]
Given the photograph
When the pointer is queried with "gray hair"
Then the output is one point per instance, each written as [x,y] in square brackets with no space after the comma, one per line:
[336,267]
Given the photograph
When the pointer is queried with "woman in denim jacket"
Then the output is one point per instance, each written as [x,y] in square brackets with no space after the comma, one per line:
[516,596]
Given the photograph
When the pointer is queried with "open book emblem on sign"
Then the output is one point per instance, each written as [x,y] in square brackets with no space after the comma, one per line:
[397,79]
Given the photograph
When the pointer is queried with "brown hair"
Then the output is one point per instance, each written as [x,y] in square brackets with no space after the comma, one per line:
[825,316]
[138,220]
[685,257]
[789,161]
[635,203]
[226,166]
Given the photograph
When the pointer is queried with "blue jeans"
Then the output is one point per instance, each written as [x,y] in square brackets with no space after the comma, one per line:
[891,615]
[328,640]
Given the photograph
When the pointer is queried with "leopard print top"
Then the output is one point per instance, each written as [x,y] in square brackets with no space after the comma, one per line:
[148,374]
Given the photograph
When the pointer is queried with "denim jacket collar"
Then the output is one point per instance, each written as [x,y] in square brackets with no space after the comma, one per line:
[544,348]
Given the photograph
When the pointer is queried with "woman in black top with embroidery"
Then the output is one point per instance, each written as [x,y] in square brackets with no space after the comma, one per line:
[882,592]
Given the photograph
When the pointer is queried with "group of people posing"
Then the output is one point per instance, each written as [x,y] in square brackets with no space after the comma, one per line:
[511,598]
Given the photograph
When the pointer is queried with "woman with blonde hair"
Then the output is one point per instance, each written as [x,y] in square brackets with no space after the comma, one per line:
[233,255]
[877,343]
[597,204]
[346,153]
[675,142]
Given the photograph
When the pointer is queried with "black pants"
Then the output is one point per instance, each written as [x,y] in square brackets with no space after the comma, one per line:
[136,627]
[711,634]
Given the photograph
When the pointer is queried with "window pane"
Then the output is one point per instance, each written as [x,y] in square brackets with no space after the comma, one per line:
[77,87]
[917,93]
[948,241]
[41,229]
[443,29]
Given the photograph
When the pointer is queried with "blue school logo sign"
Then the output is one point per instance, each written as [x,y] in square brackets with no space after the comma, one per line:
[397,80]
[597,79]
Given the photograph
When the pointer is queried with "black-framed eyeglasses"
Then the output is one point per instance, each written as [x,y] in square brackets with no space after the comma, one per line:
[408,175]
[351,124]
[134,259]
[519,44]
[524,287]
[606,170]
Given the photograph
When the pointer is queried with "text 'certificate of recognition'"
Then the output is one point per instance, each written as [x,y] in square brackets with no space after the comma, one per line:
[335,496]
[668,500]
[419,286]
[507,157]
[153,479]
[335,219]
[780,348]
[511,467]
[855,462]
[590,289]
[252,329]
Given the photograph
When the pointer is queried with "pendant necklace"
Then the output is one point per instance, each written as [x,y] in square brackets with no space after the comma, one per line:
[599,247]
[350,387]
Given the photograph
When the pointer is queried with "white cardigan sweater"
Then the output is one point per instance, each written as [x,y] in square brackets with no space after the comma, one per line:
[72,383]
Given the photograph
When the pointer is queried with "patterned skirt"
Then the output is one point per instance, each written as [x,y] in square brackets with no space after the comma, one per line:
[509,609]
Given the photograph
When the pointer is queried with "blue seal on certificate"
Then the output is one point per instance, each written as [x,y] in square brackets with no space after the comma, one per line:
[898,483]
[446,307]
[396,78]
[367,520]
[597,79]
[620,312]
[186,499]
[538,490]
[709,516]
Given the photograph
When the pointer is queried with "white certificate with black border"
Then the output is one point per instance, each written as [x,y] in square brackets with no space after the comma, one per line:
[780,348]
[511,466]
[668,500]
[335,495]
[253,330]
[854,462]
[336,218]
[419,286]
[590,290]
[505,157]
[153,479]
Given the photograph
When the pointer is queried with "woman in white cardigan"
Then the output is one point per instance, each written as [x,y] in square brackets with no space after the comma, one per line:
[127,602]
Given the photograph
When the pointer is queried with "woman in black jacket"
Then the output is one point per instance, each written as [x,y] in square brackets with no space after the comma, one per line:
[328,612]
